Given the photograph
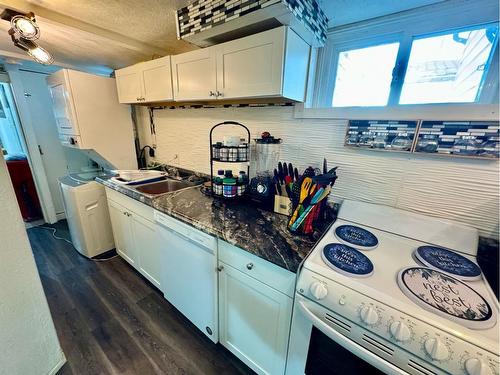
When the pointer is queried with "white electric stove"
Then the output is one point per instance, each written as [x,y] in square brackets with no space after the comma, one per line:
[394,292]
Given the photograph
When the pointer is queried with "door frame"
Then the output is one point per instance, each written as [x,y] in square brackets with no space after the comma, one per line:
[25,121]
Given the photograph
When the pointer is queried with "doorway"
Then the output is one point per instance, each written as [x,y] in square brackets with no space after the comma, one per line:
[14,151]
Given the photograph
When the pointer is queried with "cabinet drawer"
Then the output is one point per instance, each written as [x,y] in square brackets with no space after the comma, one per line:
[258,268]
[131,204]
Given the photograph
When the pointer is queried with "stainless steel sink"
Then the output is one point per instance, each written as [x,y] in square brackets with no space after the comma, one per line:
[162,187]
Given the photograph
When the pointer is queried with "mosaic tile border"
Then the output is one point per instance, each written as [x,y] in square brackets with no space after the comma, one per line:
[470,139]
[204,14]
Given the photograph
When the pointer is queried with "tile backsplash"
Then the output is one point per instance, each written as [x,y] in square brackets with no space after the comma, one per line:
[462,190]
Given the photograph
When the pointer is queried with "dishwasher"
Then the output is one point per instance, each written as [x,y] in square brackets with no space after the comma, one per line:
[189,272]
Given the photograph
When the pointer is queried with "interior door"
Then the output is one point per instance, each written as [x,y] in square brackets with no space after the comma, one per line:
[53,155]
[251,67]
[194,75]
[129,84]
[157,79]
[254,321]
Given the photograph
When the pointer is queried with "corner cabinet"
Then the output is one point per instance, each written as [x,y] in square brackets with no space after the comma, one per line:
[146,82]
[135,233]
[273,63]
[255,309]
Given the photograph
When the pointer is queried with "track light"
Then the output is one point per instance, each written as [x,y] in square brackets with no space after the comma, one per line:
[23,32]
[25,26]
[39,54]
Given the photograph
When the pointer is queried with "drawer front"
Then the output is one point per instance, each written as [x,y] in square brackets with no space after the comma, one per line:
[131,204]
[258,268]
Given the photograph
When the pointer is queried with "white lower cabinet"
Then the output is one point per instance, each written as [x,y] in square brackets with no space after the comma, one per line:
[254,318]
[120,222]
[136,239]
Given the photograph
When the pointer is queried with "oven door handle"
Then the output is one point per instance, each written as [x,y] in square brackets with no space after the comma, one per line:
[350,345]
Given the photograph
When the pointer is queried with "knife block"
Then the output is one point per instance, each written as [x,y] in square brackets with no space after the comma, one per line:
[282,205]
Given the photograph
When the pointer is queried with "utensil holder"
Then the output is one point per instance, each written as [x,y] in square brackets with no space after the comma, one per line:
[282,205]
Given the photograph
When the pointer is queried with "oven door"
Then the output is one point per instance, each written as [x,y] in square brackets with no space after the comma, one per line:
[318,348]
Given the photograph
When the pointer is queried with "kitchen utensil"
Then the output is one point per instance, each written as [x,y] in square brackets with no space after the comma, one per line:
[325,165]
[285,170]
[288,180]
[304,191]
[277,184]
[296,174]
[288,190]
[321,194]
[290,170]
[280,171]
[401,142]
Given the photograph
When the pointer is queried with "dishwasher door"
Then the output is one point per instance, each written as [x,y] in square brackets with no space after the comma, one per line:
[189,274]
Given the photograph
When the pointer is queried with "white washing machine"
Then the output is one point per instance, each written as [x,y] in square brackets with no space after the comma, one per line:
[86,209]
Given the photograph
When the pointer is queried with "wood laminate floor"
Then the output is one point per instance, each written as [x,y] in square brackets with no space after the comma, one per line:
[110,320]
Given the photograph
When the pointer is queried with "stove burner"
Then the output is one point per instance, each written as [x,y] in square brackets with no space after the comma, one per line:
[347,260]
[448,262]
[446,296]
[356,236]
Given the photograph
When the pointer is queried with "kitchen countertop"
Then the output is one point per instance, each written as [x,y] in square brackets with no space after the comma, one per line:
[254,230]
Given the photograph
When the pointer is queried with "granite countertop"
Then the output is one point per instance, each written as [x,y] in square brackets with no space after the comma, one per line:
[240,223]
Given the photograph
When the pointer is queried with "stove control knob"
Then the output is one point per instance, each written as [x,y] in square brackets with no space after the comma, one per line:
[436,349]
[318,290]
[474,366]
[400,331]
[369,315]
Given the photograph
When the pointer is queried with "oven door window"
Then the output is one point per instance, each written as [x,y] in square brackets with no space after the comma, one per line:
[325,356]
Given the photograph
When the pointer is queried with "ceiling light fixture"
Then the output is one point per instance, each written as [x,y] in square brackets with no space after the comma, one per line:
[23,32]
[25,26]
[39,54]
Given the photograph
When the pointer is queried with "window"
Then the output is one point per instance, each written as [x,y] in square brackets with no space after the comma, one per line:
[448,68]
[364,76]
[444,53]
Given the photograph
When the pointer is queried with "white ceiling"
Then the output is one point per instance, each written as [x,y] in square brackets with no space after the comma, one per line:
[101,35]
[343,12]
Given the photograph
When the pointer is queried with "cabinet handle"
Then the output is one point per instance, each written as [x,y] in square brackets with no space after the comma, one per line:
[211,93]
[219,94]
[138,99]
[220,268]
[249,266]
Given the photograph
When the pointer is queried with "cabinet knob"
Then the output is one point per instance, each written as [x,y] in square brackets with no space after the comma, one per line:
[138,99]
[219,93]
[220,268]
[249,266]
[211,93]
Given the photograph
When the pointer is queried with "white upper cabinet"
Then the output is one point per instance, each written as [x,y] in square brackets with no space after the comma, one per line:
[194,75]
[270,64]
[255,66]
[150,81]
[273,63]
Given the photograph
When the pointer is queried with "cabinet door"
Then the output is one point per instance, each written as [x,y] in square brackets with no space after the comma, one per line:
[129,84]
[63,110]
[254,321]
[147,248]
[120,222]
[251,66]
[194,75]
[157,80]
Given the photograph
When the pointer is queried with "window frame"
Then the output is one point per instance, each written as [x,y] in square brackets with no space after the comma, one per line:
[403,27]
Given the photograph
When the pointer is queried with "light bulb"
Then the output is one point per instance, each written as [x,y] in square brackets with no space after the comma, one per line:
[40,55]
[26,27]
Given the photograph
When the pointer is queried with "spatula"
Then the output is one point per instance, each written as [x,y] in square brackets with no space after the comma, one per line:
[304,191]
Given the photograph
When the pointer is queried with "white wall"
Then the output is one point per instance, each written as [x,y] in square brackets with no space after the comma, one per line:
[28,339]
[463,190]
